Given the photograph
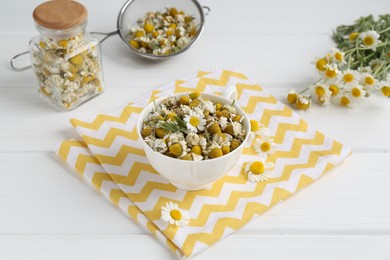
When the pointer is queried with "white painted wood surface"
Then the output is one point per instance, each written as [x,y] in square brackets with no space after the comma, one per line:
[48,213]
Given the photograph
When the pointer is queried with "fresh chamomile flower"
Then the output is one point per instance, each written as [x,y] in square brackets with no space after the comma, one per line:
[349,76]
[356,91]
[334,87]
[174,215]
[292,96]
[331,71]
[321,64]
[303,102]
[195,120]
[257,129]
[322,92]
[343,99]
[370,39]
[259,170]
[338,56]
[353,36]
[264,145]
[368,80]
[385,88]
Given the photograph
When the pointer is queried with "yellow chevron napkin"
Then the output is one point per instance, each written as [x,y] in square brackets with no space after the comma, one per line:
[110,158]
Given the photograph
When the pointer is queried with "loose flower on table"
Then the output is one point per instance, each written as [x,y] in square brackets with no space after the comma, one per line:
[172,214]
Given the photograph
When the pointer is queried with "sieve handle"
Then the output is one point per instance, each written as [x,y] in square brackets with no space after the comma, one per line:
[206,10]
[106,35]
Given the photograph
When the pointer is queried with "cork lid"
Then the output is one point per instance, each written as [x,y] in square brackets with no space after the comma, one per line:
[60,14]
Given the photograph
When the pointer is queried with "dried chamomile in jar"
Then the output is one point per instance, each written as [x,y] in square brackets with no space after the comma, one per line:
[66,60]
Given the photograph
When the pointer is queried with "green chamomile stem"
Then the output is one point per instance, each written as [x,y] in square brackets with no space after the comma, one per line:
[357,47]
[303,91]
[385,70]
[377,70]
[385,30]
[349,63]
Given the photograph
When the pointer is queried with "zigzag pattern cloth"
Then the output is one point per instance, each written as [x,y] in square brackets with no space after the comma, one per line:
[110,158]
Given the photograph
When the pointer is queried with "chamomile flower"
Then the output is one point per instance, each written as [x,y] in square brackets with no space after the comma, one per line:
[195,121]
[292,96]
[370,39]
[223,122]
[343,99]
[349,76]
[303,102]
[338,56]
[368,80]
[322,92]
[331,71]
[207,105]
[321,64]
[160,146]
[257,129]
[353,36]
[264,145]
[334,88]
[174,215]
[356,91]
[385,88]
[237,128]
[192,139]
[259,170]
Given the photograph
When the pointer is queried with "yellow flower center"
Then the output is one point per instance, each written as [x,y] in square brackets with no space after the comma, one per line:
[348,78]
[353,36]
[175,214]
[368,40]
[176,149]
[330,73]
[386,91]
[369,80]
[265,146]
[320,91]
[302,106]
[257,167]
[320,64]
[292,98]
[356,92]
[194,121]
[338,56]
[344,101]
[254,125]
[334,89]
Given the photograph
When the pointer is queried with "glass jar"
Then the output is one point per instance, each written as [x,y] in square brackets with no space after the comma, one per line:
[66,61]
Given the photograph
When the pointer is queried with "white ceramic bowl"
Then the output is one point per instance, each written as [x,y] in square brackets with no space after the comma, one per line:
[193,175]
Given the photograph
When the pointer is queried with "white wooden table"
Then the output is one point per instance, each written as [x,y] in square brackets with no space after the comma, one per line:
[48,213]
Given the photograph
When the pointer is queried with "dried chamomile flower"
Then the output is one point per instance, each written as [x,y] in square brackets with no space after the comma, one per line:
[162,33]
[198,131]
